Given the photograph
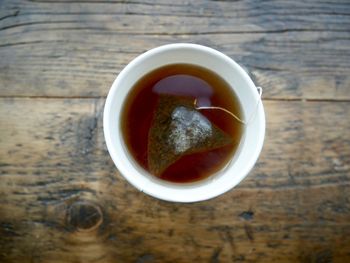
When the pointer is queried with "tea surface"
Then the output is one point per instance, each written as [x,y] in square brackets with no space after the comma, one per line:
[188,144]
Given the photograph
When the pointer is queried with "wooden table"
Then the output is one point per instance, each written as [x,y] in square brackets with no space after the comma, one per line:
[62,199]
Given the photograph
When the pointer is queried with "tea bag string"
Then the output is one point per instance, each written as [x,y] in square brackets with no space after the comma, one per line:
[259,89]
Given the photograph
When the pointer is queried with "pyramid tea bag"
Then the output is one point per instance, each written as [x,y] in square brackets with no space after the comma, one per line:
[182,123]
[179,129]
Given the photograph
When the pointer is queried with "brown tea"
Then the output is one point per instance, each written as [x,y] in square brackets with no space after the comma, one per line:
[170,129]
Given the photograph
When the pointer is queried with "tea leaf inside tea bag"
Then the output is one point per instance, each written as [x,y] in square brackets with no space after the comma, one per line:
[179,129]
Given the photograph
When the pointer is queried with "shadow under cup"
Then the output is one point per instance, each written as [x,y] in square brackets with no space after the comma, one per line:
[244,157]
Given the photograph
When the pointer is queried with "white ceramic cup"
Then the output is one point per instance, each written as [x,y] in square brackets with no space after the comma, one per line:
[247,152]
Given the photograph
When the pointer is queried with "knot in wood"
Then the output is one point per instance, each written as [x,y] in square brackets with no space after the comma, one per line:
[84,216]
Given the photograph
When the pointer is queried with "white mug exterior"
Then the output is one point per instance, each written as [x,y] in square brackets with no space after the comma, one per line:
[246,154]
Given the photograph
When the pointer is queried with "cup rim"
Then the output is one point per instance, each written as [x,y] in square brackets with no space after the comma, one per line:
[183,194]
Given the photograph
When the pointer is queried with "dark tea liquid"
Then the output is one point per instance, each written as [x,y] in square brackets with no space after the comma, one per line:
[183,80]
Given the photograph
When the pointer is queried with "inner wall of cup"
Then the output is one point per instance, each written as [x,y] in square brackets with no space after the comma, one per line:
[219,64]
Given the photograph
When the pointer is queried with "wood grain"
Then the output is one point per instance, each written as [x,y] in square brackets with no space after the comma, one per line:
[61,197]
[62,200]
[294,49]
